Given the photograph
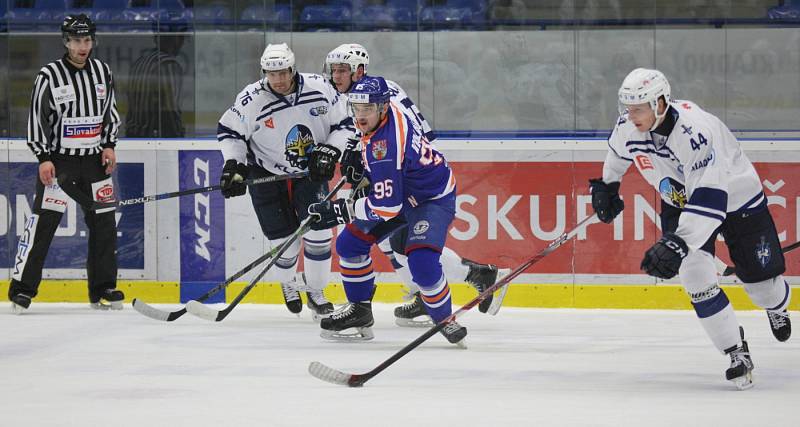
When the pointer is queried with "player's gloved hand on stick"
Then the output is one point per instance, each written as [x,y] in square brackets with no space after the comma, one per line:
[605,199]
[351,166]
[322,162]
[329,214]
[663,260]
[232,179]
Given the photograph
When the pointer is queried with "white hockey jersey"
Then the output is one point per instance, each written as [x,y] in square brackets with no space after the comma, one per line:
[699,168]
[280,131]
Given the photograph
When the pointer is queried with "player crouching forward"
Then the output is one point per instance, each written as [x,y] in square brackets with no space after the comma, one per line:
[411,186]
[707,186]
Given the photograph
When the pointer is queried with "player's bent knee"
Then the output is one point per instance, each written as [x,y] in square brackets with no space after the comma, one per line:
[348,245]
[770,294]
[698,271]
[426,270]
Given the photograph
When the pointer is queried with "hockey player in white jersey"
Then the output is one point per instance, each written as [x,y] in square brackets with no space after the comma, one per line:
[287,122]
[345,65]
[707,186]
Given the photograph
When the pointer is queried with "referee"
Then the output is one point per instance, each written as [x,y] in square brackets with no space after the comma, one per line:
[72,130]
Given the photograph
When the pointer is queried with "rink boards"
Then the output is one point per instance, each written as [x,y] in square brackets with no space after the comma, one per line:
[514,196]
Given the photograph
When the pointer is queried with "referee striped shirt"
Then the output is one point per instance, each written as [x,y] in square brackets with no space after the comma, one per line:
[73,111]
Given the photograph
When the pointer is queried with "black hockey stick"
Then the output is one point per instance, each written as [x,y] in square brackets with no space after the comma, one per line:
[162,196]
[729,270]
[169,316]
[333,376]
[198,309]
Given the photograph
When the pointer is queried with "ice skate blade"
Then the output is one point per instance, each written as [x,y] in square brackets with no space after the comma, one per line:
[101,306]
[500,295]
[357,334]
[414,323]
[744,382]
[17,309]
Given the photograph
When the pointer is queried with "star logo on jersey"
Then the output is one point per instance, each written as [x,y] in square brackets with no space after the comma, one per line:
[763,252]
[378,149]
[268,123]
[673,191]
[298,142]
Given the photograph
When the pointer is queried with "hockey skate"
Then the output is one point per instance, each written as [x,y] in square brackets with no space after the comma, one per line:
[20,303]
[481,277]
[291,297]
[413,314]
[455,334]
[357,316]
[320,307]
[741,370]
[109,299]
[780,324]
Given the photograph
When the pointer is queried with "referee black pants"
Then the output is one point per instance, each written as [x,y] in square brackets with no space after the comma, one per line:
[75,174]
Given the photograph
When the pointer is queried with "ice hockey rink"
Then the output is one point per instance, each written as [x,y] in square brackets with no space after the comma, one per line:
[65,365]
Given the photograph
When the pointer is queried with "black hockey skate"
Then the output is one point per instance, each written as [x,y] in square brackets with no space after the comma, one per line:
[455,334]
[292,298]
[780,324]
[356,316]
[20,303]
[108,299]
[741,370]
[406,315]
[320,307]
[481,277]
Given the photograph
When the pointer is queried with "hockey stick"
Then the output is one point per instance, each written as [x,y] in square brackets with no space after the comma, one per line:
[198,309]
[169,316]
[162,196]
[333,376]
[729,270]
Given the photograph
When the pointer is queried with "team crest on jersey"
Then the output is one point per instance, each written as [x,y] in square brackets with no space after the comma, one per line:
[378,149]
[318,111]
[100,89]
[763,252]
[673,191]
[298,142]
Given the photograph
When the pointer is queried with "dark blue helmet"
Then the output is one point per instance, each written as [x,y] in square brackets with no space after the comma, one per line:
[370,90]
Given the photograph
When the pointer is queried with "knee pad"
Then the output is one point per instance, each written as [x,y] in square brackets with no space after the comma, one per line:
[425,267]
[349,245]
[698,272]
[771,294]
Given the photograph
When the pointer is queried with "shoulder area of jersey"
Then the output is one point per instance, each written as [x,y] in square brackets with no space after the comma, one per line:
[249,93]
[314,80]
[625,127]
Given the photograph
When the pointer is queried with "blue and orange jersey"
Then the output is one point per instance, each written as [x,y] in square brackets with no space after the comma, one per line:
[404,169]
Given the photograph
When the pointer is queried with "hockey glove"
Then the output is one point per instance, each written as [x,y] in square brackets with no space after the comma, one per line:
[322,162]
[351,166]
[331,213]
[663,260]
[232,179]
[605,199]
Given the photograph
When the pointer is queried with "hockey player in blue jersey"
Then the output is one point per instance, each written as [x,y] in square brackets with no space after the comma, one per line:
[708,186]
[345,65]
[411,186]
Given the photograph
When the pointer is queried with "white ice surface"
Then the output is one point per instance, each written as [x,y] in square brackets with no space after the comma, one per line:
[65,365]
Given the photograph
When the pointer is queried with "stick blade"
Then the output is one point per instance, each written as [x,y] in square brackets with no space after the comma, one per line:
[333,376]
[200,310]
[152,312]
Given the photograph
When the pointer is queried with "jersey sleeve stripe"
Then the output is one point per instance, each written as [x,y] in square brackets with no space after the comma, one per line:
[224,132]
[720,218]
[710,198]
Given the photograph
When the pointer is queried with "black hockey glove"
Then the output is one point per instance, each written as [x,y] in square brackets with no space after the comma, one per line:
[663,260]
[232,179]
[331,213]
[322,162]
[351,166]
[605,199]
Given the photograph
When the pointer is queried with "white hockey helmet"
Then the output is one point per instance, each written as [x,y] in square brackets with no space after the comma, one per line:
[644,86]
[277,57]
[352,54]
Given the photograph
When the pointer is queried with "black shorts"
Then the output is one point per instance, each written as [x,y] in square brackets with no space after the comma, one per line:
[750,236]
[281,206]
